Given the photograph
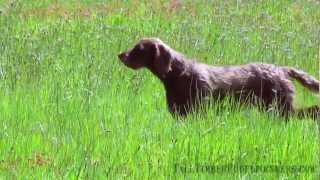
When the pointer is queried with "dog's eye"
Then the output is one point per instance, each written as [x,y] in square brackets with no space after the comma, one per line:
[136,52]
[139,47]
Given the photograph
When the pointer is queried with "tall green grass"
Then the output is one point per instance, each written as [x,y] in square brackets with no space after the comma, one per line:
[69,109]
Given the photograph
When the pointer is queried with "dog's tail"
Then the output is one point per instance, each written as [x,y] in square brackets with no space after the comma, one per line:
[305,79]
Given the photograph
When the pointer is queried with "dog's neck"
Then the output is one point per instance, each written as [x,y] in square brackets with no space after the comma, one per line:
[179,67]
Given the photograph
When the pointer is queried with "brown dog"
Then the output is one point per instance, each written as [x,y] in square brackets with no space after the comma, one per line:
[188,82]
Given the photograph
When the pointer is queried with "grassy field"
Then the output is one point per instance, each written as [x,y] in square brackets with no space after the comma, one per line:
[69,109]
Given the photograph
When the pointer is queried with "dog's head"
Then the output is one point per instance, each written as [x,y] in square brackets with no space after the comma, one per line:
[151,53]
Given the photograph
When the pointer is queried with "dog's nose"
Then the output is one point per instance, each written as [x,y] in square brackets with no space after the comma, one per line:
[123,56]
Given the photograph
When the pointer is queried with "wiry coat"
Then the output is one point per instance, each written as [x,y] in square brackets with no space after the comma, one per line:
[188,82]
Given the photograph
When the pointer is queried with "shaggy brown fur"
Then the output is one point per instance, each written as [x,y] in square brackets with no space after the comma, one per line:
[188,82]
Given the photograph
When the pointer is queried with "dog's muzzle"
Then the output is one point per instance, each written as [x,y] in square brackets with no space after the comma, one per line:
[123,56]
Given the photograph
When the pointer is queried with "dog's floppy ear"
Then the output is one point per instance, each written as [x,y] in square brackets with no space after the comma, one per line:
[162,60]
